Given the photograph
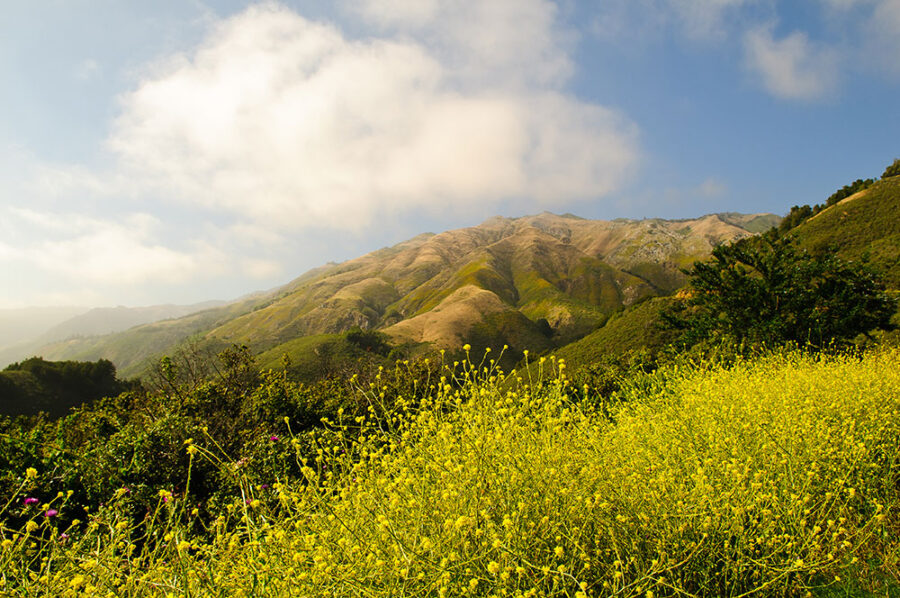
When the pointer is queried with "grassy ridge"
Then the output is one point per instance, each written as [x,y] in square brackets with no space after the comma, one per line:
[774,477]
[865,225]
[569,271]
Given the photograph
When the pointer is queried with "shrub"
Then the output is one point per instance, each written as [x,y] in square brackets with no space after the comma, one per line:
[764,291]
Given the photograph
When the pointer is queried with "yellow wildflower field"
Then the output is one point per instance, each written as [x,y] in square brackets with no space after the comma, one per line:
[775,476]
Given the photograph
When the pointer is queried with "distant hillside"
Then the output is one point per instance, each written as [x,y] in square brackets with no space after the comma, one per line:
[106,320]
[534,282]
[21,326]
[131,349]
[47,328]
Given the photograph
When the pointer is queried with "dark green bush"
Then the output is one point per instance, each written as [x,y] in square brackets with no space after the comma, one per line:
[892,170]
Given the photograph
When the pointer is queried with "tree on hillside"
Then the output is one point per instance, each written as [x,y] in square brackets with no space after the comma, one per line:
[35,385]
[848,190]
[892,170]
[764,290]
[795,217]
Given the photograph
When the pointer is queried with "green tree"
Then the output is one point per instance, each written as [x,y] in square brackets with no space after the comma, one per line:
[848,190]
[892,170]
[764,290]
[795,217]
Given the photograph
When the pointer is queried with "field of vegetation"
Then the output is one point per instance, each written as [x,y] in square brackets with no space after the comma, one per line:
[770,476]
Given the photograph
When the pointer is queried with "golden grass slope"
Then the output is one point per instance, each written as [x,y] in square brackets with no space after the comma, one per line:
[570,271]
[464,309]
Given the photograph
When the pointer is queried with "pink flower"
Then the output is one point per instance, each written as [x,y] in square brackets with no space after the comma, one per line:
[51,513]
[31,501]
[273,438]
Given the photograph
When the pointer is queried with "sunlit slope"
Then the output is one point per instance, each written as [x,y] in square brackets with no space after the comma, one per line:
[571,271]
[864,225]
[491,284]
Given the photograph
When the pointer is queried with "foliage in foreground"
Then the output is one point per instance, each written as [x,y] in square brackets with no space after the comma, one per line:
[773,477]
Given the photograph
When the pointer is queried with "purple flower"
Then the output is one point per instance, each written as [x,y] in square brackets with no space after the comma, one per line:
[51,513]
[264,486]
[273,438]
[31,501]
[64,537]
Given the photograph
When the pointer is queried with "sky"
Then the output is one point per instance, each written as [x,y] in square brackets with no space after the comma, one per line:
[177,151]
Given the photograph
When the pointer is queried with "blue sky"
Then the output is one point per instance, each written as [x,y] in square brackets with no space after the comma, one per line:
[177,151]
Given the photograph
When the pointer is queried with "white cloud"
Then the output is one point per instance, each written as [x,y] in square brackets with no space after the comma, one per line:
[883,36]
[873,28]
[87,70]
[286,123]
[90,250]
[507,42]
[275,131]
[396,13]
[793,67]
[705,18]
[712,188]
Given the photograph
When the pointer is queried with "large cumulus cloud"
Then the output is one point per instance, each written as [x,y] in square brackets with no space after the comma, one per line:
[288,123]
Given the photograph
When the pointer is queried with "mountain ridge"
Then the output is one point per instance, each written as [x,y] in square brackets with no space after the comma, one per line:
[493,282]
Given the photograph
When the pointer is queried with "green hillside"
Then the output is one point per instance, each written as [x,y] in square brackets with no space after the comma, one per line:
[632,329]
[309,358]
[864,226]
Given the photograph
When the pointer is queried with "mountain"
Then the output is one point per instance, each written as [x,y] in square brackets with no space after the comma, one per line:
[534,282]
[106,320]
[23,324]
[19,328]
[38,328]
